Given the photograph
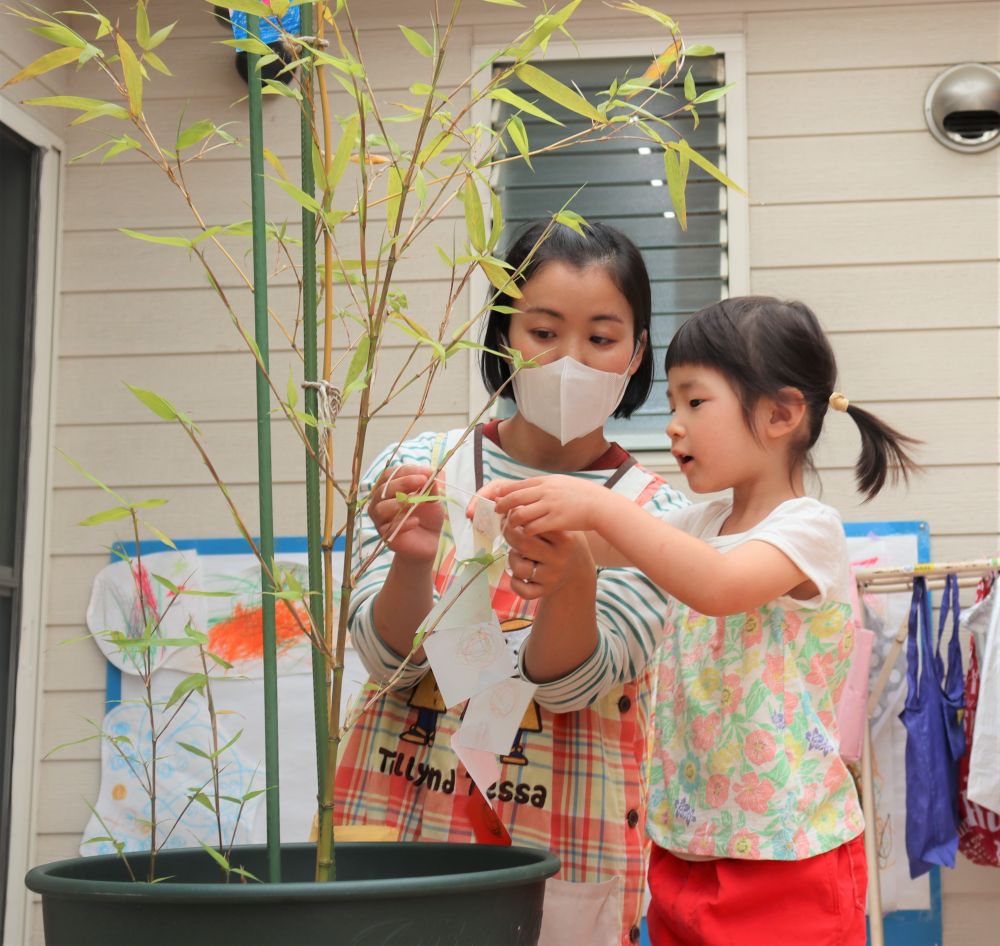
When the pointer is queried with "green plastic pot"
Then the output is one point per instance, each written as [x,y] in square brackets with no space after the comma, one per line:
[386,895]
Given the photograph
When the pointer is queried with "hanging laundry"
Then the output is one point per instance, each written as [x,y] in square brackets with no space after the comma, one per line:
[984,761]
[935,740]
[978,827]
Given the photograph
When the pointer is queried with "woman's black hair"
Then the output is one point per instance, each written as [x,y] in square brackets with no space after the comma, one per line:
[763,345]
[600,245]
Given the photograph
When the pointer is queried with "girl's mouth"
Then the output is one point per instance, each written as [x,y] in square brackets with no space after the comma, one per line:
[683,459]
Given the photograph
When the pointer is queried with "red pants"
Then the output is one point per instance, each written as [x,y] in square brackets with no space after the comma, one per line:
[819,901]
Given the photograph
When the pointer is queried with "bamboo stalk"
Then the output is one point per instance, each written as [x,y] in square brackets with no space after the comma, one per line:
[320,665]
[264,461]
[326,863]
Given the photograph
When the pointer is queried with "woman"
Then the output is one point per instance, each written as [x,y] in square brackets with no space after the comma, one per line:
[572,781]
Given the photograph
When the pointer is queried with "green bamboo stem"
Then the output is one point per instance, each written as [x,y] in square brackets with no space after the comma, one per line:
[264,460]
[320,666]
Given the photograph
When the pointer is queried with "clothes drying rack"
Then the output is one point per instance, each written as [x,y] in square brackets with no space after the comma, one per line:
[890,581]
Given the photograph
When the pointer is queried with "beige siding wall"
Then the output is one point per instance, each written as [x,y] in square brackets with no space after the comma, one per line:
[893,240]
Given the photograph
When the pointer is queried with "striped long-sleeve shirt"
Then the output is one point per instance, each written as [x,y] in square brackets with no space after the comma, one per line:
[573,781]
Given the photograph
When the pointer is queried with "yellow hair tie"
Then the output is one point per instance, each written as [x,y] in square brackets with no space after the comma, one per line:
[839,402]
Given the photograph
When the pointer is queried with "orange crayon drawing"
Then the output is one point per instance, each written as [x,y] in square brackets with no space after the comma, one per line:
[241,636]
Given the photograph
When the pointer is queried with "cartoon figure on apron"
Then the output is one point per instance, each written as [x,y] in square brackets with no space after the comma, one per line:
[426,699]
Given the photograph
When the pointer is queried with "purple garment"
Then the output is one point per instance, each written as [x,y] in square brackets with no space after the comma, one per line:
[935,739]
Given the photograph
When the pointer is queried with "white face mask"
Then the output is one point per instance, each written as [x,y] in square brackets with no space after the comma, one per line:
[568,399]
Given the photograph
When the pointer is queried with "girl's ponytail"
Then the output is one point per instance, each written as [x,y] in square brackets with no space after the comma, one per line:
[884,454]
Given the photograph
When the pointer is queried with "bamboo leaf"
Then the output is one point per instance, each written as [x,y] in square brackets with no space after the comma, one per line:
[500,278]
[293,389]
[394,187]
[160,35]
[211,851]
[631,7]
[107,110]
[72,101]
[690,89]
[142,36]
[46,63]
[249,44]
[149,504]
[512,98]
[191,135]
[571,219]
[707,165]
[253,7]
[201,799]
[418,42]
[342,155]
[496,221]
[160,406]
[557,92]
[506,3]
[150,238]
[298,195]
[699,49]
[676,168]
[132,74]
[93,479]
[474,215]
[359,361]
[318,166]
[275,162]
[433,148]
[712,94]
[156,62]
[544,27]
[162,536]
[195,681]
[60,34]
[108,515]
[519,135]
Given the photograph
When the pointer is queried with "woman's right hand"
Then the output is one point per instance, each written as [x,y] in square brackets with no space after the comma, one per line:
[417,537]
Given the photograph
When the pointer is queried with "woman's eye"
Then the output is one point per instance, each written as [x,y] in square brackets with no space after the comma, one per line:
[602,341]
[543,333]
[695,402]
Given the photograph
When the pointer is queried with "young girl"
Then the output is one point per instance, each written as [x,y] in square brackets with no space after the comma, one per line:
[756,822]
[572,778]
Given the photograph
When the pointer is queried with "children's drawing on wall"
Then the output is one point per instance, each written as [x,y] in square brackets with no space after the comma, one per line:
[228,611]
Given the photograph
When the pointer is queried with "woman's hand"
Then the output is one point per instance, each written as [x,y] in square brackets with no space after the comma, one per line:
[547,504]
[417,537]
[541,566]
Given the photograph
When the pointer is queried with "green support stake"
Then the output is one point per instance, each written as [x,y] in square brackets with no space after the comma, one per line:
[313,512]
[264,460]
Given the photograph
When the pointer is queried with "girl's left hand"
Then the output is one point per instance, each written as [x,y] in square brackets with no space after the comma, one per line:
[546,504]
[541,565]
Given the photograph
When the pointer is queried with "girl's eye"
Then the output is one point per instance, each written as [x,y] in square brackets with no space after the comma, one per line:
[543,333]
[695,402]
[601,341]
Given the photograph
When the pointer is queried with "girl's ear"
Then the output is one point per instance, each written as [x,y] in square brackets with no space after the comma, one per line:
[784,413]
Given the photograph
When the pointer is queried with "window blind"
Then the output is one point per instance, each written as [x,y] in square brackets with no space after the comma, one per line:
[623,184]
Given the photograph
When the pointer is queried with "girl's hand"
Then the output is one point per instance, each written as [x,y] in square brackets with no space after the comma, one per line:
[541,565]
[548,503]
[417,538]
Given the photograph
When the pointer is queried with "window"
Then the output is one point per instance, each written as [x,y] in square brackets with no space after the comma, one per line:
[624,185]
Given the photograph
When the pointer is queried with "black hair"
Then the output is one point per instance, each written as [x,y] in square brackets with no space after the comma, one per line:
[600,245]
[763,345]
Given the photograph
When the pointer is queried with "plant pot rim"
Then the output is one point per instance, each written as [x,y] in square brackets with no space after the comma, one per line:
[46,880]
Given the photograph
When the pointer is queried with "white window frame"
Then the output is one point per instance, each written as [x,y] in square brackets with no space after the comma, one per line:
[18,914]
[653,446]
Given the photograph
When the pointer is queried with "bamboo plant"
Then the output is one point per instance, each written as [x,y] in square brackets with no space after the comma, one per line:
[390,204]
